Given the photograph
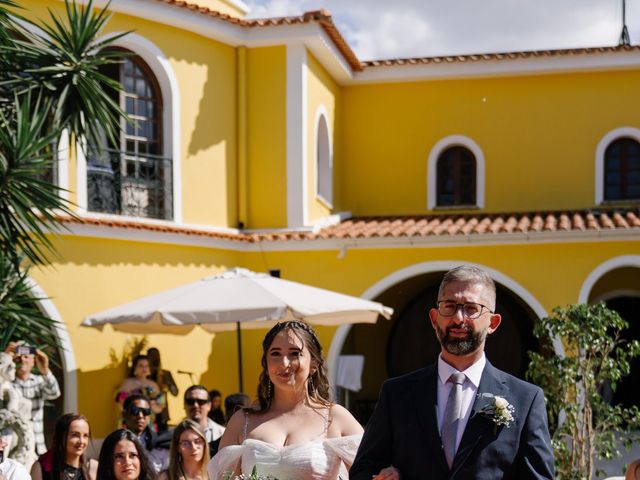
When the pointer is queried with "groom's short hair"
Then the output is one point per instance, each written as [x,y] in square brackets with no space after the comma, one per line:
[473,275]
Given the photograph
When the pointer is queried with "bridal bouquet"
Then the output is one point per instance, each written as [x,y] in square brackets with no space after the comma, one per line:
[254,476]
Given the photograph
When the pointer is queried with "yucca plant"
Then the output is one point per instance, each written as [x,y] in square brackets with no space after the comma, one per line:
[50,84]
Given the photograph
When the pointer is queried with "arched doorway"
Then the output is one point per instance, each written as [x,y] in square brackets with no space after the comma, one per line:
[629,308]
[407,342]
[619,289]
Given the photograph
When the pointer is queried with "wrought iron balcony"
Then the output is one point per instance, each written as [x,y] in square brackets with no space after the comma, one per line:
[124,183]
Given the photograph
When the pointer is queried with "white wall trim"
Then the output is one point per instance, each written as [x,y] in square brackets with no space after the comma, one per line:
[447,68]
[297,171]
[69,367]
[314,37]
[321,113]
[63,164]
[606,140]
[432,163]
[161,67]
[604,268]
[411,271]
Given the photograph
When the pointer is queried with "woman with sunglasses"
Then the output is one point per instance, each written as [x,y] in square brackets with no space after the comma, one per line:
[122,457]
[66,460]
[189,454]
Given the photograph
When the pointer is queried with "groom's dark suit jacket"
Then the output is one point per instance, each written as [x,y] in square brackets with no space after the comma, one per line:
[403,432]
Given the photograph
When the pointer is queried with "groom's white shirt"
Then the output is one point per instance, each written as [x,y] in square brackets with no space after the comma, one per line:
[469,391]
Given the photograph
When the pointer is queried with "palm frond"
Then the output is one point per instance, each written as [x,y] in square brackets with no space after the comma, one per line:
[28,203]
[20,319]
[65,63]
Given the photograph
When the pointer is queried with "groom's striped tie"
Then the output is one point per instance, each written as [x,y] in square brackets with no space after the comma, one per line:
[452,414]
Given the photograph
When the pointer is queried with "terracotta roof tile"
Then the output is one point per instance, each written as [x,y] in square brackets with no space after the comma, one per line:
[415,226]
[321,17]
[498,56]
[324,19]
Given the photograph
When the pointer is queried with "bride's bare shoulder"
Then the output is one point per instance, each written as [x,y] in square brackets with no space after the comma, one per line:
[343,422]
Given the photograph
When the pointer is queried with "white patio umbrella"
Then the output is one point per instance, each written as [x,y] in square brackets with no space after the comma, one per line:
[235,299]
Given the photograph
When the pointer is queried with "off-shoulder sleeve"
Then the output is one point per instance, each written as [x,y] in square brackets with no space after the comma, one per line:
[225,461]
[345,448]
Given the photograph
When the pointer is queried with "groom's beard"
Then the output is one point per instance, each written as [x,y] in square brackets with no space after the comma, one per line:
[461,345]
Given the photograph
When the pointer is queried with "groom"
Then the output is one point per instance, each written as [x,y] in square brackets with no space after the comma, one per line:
[438,422]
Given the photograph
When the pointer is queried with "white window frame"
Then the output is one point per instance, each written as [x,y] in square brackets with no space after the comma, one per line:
[161,68]
[607,139]
[432,169]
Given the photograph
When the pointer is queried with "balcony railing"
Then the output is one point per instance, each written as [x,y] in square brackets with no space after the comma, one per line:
[130,184]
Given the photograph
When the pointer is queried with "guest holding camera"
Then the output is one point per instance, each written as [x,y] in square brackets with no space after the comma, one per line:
[36,388]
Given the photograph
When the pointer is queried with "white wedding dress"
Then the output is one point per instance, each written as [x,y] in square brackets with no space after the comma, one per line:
[318,460]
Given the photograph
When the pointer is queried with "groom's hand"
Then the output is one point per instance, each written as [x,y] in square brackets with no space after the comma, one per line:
[389,473]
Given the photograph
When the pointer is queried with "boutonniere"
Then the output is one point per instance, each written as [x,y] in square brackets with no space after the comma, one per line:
[497,409]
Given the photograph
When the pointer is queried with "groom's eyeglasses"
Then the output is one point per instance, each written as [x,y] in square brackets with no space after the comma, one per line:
[469,309]
[192,401]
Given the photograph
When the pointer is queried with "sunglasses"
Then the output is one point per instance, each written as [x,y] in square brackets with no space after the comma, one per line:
[192,401]
[136,410]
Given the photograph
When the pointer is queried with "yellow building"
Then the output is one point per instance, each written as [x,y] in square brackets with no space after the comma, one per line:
[267,144]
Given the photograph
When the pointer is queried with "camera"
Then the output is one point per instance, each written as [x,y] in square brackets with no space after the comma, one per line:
[25,350]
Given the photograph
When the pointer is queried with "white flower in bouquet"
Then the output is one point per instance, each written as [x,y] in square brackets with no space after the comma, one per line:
[253,476]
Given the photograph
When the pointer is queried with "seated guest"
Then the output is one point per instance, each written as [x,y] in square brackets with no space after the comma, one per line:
[10,469]
[189,454]
[122,457]
[216,414]
[197,405]
[65,460]
[235,402]
[136,416]
[139,382]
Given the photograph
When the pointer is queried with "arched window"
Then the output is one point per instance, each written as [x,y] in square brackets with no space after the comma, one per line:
[456,177]
[324,161]
[622,170]
[131,177]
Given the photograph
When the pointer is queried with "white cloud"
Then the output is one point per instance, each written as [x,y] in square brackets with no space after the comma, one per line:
[406,28]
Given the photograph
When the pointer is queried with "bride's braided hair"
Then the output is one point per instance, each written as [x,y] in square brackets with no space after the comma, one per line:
[317,383]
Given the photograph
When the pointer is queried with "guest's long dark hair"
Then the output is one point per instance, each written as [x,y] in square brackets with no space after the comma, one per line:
[59,444]
[105,461]
[317,383]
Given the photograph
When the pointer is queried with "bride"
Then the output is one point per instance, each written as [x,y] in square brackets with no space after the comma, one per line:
[293,432]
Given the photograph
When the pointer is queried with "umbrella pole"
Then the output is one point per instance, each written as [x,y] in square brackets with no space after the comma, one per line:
[239,340]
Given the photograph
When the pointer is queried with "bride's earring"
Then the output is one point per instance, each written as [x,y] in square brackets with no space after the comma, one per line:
[269,392]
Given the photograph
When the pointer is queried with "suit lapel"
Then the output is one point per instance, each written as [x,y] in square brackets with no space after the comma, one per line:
[425,395]
[477,425]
